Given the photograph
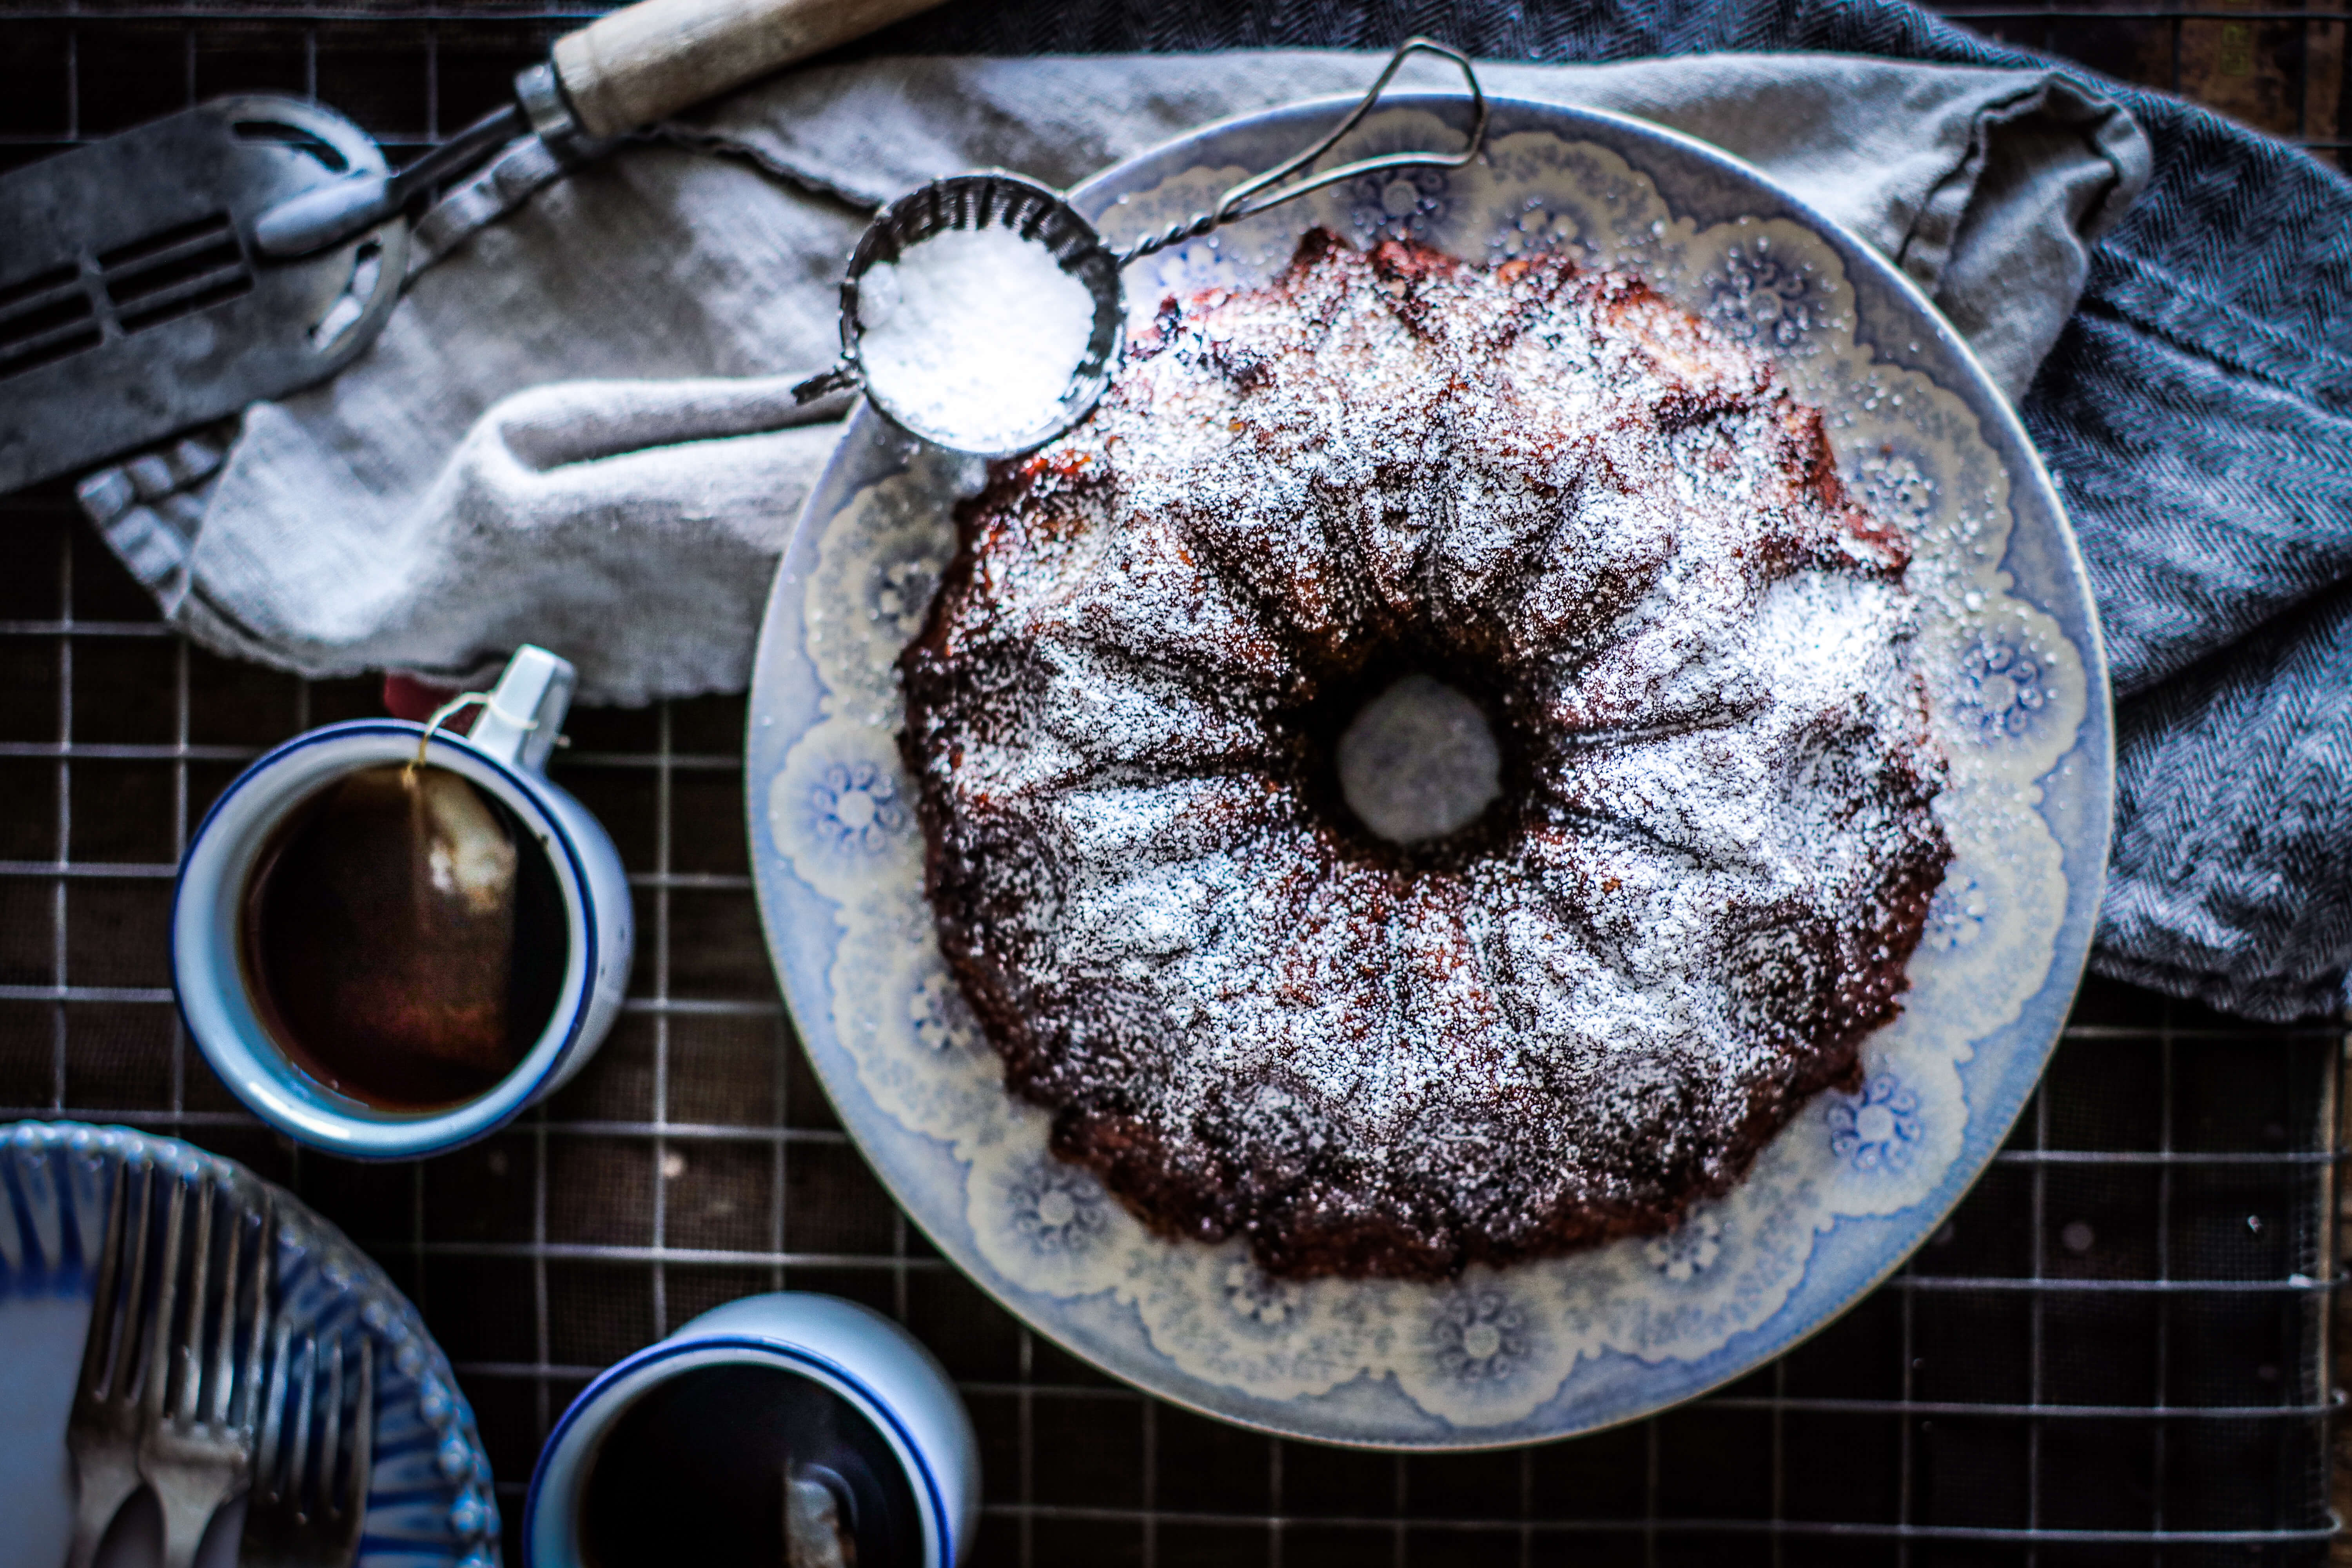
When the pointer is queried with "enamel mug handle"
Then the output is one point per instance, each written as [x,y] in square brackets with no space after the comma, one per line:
[635,66]
[519,723]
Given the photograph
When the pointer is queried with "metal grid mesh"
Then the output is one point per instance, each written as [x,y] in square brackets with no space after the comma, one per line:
[2115,1351]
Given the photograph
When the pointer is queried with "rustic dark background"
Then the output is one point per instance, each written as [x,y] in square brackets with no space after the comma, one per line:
[2115,1353]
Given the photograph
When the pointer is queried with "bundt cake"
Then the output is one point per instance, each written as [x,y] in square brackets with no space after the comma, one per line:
[1568,504]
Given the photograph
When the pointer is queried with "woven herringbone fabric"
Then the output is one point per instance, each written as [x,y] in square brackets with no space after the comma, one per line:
[2197,415]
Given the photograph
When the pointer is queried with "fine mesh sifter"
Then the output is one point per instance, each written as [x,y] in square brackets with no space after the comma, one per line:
[993,200]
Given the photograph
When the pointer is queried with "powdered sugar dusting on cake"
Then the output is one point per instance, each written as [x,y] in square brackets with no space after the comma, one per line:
[1713,853]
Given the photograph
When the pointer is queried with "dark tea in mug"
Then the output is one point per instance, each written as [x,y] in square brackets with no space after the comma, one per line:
[744,1466]
[403,937]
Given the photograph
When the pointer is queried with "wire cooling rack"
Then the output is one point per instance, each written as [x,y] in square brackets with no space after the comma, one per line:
[2118,1352]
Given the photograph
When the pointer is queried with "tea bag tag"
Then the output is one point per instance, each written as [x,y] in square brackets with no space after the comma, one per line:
[523,711]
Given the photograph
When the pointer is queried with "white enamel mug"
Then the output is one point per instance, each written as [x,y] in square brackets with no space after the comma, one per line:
[857,1354]
[505,756]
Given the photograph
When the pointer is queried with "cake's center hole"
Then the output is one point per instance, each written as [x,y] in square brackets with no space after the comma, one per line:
[1419,762]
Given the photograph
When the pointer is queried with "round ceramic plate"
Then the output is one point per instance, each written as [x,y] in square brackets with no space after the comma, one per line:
[2008,645]
[429,1496]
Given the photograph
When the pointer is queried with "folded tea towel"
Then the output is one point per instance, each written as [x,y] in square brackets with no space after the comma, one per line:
[2193,407]
[577,429]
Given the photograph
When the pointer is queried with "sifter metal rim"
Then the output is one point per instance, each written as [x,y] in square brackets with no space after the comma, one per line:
[995,198]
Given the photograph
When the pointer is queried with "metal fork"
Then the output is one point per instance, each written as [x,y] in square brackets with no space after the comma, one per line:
[195,1445]
[103,1433]
[310,1492]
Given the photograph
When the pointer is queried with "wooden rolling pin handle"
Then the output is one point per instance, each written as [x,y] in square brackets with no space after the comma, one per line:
[638,65]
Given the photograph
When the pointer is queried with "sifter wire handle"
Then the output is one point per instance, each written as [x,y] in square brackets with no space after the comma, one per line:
[1257,193]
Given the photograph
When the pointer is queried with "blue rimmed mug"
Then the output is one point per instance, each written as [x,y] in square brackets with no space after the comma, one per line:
[858,1356]
[504,756]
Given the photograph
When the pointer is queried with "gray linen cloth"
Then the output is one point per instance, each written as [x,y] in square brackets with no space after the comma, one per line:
[576,430]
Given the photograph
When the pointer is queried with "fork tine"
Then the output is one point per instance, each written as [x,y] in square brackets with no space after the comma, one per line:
[100,1435]
[252,1369]
[156,1374]
[225,1350]
[97,1355]
[269,1469]
[130,1349]
[220,1379]
[188,1355]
